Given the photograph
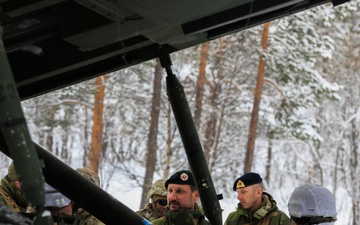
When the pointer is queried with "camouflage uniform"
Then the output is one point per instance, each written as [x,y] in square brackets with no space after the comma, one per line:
[148,212]
[11,196]
[90,175]
[267,214]
[85,218]
[157,189]
[182,217]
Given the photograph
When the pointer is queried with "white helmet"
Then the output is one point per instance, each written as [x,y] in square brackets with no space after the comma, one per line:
[311,200]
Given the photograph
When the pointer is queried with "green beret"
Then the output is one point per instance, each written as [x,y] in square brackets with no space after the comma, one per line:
[246,180]
[12,173]
[181,177]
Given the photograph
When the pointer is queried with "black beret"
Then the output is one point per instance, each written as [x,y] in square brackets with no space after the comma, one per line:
[246,180]
[181,177]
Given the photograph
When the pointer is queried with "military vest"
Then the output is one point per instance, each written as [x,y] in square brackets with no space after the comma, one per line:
[9,201]
[267,214]
[148,212]
[182,217]
[271,218]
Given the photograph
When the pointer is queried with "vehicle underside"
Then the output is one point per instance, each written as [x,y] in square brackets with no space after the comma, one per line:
[51,44]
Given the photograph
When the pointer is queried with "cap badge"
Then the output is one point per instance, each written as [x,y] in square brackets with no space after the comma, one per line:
[184,177]
[240,184]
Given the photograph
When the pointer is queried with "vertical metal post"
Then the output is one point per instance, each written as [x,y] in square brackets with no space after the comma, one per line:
[191,142]
[16,134]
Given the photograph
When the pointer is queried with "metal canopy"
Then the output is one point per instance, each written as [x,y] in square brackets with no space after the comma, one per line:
[52,44]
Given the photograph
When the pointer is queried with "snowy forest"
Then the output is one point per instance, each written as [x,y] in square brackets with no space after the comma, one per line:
[280,99]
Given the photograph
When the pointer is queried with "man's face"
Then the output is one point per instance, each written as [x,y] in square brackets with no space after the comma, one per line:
[67,210]
[250,197]
[17,184]
[181,196]
[160,204]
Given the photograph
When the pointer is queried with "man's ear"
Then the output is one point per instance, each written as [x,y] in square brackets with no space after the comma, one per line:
[259,191]
[197,196]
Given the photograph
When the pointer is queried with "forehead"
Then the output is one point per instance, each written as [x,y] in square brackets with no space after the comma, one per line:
[245,189]
[179,186]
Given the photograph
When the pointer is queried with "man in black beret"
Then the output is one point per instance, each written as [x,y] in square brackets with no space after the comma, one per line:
[255,206]
[182,195]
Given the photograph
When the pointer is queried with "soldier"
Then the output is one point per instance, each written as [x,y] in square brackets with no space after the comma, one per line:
[156,208]
[312,204]
[182,208]
[59,205]
[85,218]
[255,206]
[11,194]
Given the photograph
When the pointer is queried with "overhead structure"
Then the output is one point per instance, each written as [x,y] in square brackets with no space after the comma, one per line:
[50,44]
[56,43]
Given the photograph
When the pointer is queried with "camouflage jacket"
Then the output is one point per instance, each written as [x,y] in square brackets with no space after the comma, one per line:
[182,217]
[267,214]
[148,212]
[85,218]
[13,198]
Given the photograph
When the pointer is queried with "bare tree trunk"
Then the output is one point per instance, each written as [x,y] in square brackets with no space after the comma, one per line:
[96,135]
[168,142]
[257,98]
[354,170]
[200,84]
[210,128]
[209,136]
[50,123]
[64,154]
[269,157]
[85,146]
[153,131]
[219,128]
[216,138]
